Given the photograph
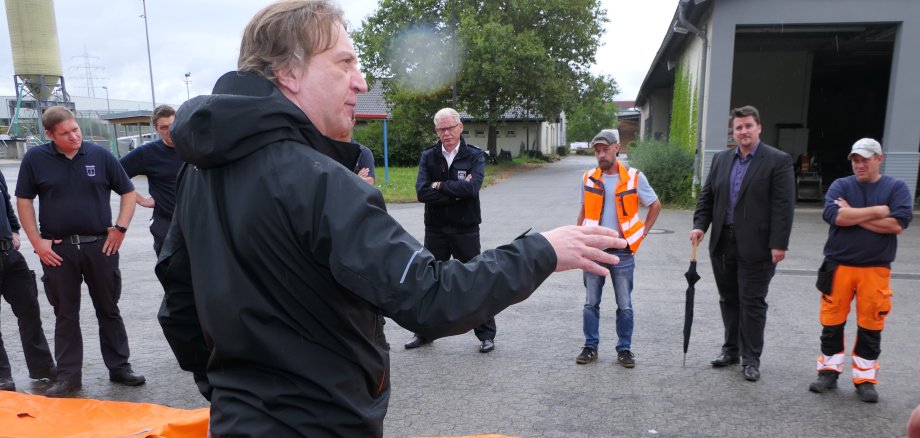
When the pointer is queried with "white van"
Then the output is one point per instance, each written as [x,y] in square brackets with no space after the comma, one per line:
[132,141]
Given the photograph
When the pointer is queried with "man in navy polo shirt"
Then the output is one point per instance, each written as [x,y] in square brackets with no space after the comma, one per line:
[159,161]
[73,181]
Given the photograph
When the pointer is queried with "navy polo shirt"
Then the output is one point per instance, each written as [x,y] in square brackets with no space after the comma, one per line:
[161,164]
[11,225]
[74,194]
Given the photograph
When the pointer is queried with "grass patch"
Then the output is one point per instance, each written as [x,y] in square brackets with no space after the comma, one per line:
[401,188]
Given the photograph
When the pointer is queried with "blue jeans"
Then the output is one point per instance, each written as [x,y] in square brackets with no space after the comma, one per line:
[622,275]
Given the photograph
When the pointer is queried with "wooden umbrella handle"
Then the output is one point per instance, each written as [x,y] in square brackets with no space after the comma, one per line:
[693,257]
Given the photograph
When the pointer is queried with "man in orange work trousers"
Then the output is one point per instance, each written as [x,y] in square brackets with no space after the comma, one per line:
[866,211]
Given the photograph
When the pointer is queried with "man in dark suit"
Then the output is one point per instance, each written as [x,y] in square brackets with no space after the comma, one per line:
[749,198]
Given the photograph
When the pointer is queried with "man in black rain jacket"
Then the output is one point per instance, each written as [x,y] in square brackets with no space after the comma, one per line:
[280,262]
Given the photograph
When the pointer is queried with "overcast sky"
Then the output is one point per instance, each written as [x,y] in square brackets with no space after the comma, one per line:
[202,37]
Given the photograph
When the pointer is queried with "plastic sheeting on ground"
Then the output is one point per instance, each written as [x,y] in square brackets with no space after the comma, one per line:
[28,416]
[23,415]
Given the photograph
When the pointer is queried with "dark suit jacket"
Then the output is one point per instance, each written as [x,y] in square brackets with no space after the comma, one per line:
[763,215]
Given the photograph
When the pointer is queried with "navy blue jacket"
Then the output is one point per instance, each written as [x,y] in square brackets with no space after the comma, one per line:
[455,206]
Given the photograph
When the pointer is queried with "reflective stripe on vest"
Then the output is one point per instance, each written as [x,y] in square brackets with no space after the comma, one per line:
[864,370]
[626,200]
[833,363]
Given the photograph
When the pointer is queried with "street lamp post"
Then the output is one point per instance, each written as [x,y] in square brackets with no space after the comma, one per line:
[107,105]
[187,94]
[149,61]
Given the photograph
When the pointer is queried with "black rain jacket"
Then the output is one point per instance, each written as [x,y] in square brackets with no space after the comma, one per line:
[280,263]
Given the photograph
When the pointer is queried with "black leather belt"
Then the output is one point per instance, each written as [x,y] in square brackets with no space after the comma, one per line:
[78,239]
[6,245]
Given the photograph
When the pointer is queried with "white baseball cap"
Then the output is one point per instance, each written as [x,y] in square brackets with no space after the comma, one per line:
[865,147]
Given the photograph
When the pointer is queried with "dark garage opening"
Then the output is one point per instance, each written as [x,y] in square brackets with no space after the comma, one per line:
[830,80]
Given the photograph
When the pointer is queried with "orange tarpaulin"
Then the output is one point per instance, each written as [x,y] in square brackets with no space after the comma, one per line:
[28,416]
[23,415]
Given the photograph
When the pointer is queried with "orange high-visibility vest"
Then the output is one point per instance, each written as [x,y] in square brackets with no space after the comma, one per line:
[626,197]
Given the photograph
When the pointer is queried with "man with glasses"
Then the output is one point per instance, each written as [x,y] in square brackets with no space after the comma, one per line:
[450,174]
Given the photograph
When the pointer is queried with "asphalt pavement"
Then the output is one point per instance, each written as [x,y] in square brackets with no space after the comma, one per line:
[530,385]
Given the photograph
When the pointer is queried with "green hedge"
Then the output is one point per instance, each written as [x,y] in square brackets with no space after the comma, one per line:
[669,170]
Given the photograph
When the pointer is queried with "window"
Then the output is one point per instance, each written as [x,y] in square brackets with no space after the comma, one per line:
[480,133]
[511,133]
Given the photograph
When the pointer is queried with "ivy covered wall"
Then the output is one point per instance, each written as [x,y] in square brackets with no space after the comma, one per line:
[682,132]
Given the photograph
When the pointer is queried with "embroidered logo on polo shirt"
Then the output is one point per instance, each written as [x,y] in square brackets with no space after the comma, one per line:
[91,170]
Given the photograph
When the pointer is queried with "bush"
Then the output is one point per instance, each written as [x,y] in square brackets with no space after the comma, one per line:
[562,150]
[669,170]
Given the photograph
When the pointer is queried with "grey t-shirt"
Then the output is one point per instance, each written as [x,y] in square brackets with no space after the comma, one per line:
[646,194]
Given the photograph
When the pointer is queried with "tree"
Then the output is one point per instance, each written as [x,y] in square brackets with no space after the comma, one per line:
[594,109]
[499,54]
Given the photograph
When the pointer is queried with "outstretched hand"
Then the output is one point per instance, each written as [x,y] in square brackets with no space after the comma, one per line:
[581,247]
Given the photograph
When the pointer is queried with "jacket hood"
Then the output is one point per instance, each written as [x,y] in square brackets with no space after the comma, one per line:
[244,114]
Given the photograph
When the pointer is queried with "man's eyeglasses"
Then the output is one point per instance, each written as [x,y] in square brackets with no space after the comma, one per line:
[445,129]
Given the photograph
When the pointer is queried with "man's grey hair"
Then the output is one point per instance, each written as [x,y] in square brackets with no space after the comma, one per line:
[444,113]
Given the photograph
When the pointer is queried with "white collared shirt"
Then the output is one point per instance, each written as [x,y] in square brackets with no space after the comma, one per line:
[449,156]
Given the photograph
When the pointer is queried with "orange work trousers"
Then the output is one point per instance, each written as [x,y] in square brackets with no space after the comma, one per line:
[870,285]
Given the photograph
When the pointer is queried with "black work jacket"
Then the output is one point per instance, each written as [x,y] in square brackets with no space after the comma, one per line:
[280,264]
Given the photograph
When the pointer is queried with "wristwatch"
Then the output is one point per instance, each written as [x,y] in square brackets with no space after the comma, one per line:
[121,228]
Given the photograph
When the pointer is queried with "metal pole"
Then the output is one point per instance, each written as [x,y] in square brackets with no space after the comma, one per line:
[149,61]
[386,155]
[107,105]
[187,94]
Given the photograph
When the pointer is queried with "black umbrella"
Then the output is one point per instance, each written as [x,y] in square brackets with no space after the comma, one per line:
[692,278]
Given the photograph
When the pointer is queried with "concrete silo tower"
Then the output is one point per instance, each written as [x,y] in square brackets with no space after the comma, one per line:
[36,56]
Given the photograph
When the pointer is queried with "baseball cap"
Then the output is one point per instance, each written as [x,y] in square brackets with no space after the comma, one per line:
[866,147]
[607,137]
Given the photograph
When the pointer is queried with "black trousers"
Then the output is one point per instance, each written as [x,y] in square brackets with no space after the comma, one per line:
[743,290]
[159,225]
[17,285]
[86,262]
[463,246]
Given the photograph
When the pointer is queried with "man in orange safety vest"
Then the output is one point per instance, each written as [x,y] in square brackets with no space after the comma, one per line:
[610,196]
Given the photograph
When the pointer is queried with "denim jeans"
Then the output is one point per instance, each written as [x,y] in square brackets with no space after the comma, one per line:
[622,275]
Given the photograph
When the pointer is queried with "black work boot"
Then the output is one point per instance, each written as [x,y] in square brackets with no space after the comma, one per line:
[827,379]
[866,392]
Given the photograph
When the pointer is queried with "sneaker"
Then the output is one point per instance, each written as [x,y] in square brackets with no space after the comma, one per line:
[626,358]
[587,355]
[866,392]
[827,379]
